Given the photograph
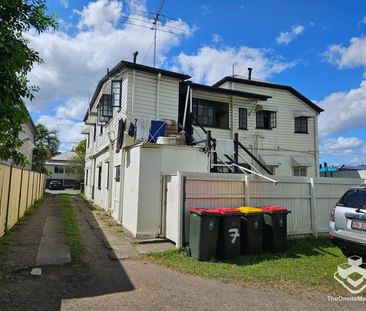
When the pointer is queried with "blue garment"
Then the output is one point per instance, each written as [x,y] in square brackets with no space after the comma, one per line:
[157,129]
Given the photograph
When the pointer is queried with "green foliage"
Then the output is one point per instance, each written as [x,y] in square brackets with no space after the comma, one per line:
[16,61]
[47,144]
[76,165]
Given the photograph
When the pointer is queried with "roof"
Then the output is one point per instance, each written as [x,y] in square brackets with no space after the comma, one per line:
[270,85]
[220,90]
[124,64]
[63,156]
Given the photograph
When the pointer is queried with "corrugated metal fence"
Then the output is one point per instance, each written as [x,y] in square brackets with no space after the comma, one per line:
[19,189]
[309,199]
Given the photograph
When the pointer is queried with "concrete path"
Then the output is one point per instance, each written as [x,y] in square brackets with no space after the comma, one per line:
[115,277]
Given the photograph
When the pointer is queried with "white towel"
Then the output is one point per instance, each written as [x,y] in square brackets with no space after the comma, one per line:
[143,129]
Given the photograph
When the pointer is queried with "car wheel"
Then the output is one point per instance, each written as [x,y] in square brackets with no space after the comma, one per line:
[346,252]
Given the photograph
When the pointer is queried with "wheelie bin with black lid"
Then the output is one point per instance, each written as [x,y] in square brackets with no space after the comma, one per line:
[251,230]
[228,243]
[275,228]
[203,231]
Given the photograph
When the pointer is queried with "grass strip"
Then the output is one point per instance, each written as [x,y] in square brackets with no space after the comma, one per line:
[71,229]
[89,203]
[309,263]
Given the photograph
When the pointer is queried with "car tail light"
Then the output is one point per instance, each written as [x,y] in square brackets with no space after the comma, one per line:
[332,214]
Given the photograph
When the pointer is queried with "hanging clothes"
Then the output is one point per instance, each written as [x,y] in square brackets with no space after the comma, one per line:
[132,129]
[157,130]
[143,129]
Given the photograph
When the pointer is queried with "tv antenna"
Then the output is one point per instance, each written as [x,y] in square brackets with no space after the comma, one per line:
[155,26]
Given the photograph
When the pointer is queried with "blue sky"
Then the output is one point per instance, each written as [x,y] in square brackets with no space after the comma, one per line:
[316,46]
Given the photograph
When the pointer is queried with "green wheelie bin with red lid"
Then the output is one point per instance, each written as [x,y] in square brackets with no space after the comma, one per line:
[203,232]
[275,228]
[228,242]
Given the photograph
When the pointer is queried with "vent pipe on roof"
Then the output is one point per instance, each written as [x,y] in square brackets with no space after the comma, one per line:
[250,73]
[135,56]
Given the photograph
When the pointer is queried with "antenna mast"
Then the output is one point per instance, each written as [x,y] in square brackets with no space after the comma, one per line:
[155,27]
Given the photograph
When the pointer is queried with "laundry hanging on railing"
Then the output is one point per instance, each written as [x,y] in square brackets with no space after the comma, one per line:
[143,129]
[157,129]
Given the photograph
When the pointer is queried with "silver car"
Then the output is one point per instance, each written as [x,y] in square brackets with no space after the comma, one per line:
[347,226]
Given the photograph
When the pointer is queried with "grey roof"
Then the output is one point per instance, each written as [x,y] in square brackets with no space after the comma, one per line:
[63,156]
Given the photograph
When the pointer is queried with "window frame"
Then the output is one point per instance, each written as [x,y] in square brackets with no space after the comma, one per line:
[117,177]
[201,111]
[99,181]
[241,118]
[271,119]
[56,169]
[113,98]
[297,171]
[301,128]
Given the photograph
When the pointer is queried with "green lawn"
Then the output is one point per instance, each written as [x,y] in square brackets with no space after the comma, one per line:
[308,264]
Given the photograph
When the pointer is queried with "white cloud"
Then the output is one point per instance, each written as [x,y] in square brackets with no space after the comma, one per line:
[346,57]
[101,14]
[73,64]
[216,38]
[69,132]
[344,111]
[209,64]
[341,144]
[64,3]
[286,37]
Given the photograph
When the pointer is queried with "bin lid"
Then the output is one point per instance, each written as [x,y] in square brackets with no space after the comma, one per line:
[275,209]
[224,210]
[250,210]
[201,211]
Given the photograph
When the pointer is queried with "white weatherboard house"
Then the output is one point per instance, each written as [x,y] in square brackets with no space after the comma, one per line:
[238,123]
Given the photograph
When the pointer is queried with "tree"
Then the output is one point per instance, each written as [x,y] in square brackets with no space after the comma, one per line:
[16,61]
[46,145]
[76,165]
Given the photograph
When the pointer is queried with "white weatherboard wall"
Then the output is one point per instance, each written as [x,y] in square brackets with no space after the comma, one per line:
[310,200]
[145,165]
[281,140]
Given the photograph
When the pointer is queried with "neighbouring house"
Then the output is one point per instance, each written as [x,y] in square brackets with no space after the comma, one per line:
[145,123]
[27,135]
[344,171]
[56,166]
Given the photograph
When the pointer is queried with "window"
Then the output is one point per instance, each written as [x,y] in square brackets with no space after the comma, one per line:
[58,170]
[118,173]
[99,177]
[94,132]
[116,93]
[301,125]
[266,119]
[86,177]
[211,113]
[243,119]
[300,171]
[107,186]
[105,109]
[101,130]
[354,198]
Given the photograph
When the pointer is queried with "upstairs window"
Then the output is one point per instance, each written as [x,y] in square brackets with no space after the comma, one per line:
[211,113]
[116,93]
[266,119]
[243,122]
[58,170]
[300,171]
[301,125]
[105,109]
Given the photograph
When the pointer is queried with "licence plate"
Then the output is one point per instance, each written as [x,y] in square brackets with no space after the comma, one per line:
[358,225]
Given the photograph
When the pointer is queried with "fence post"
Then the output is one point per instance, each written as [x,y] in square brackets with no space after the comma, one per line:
[20,193]
[8,203]
[313,207]
[26,202]
[247,194]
